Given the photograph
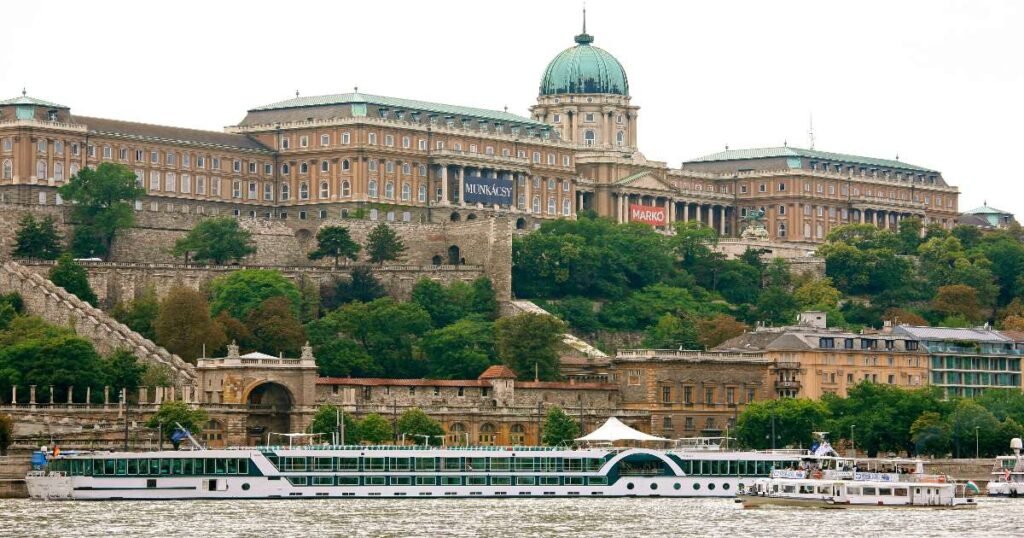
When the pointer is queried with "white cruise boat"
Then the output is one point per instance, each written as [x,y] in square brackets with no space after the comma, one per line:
[317,471]
[1008,473]
[830,481]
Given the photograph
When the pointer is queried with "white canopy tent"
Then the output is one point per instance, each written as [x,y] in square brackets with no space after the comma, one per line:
[614,430]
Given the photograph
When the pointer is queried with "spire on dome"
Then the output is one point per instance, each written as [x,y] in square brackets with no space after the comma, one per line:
[584,38]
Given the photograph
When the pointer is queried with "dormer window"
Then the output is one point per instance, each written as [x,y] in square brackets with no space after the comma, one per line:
[52,115]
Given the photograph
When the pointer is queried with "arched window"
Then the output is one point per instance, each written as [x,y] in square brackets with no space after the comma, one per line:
[73,170]
[389,167]
[372,164]
[286,191]
[303,191]
[371,188]
[285,169]
[58,171]
[8,169]
[422,197]
[406,192]
[457,431]
[325,190]
[536,204]
[345,165]
[423,170]
[304,168]
[346,188]
[41,169]
[406,168]
[389,189]
[488,434]
[620,138]
[371,138]
[551,205]
[325,166]
[517,435]
[589,137]
[566,207]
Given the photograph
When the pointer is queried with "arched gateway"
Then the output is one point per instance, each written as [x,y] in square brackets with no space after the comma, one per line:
[256,394]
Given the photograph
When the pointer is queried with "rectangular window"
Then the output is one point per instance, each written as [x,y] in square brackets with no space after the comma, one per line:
[666,394]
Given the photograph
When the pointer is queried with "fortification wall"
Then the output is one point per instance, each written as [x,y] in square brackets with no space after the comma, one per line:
[55,305]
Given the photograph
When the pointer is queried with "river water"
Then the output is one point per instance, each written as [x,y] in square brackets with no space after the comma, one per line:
[626,518]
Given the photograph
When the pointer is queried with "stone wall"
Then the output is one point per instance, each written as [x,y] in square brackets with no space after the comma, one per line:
[802,257]
[484,245]
[55,305]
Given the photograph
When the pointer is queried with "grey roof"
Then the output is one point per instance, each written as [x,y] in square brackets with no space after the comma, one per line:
[787,151]
[987,210]
[163,133]
[26,100]
[951,333]
[397,102]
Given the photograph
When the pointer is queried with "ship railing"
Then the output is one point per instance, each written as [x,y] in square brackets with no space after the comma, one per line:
[420,448]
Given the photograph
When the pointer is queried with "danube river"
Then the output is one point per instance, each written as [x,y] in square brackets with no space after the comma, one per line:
[626,518]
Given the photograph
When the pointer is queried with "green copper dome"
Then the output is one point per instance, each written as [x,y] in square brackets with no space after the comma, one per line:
[584,69]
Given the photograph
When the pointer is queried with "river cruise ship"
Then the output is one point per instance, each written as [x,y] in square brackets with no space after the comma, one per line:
[318,471]
[1008,473]
[835,482]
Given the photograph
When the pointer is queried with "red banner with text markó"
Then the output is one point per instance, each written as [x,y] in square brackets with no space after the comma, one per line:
[655,216]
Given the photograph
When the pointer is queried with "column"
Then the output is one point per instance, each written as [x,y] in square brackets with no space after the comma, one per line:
[672,212]
[32,396]
[106,396]
[697,216]
[444,185]
[14,395]
[143,395]
[529,196]
[71,392]
[461,171]
[721,221]
[861,211]
[686,211]
[51,395]
[88,396]
[170,393]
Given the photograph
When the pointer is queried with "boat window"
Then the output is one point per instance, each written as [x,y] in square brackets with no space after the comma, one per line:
[401,480]
[788,489]
[348,480]
[574,481]
[824,490]
[885,491]
[176,466]
[548,465]
[451,464]
[548,481]
[869,491]
[323,464]
[573,465]
[375,480]
[501,480]
[900,492]
[851,490]
[451,480]
[500,464]
[476,480]
[426,480]
[295,480]
[187,467]
[348,464]
[401,464]
[154,466]
[122,467]
[426,464]
[373,464]
[220,466]
[806,489]
[524,464]
[593,464]
[323,481]
[598,481]
[525,481]
[233,465]
[477,464]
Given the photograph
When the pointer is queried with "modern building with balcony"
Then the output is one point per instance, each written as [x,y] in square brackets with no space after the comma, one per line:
[967,362]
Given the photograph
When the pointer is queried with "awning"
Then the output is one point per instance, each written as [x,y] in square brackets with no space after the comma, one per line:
[614,430]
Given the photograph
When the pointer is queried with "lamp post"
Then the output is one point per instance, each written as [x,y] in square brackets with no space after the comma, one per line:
[853,445]
[773,431]
[160,435]
[976,445]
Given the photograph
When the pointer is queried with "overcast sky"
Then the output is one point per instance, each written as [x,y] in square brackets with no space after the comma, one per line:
[939,83]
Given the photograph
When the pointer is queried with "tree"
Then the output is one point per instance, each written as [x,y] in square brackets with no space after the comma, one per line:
[462,350]
[335,242]
[184,326]
[140,313]
[578,312]
[791,420]
[930,435]
[383,244]
[375,429]
[71,276]
[973,429]
[645,307]
[216,240]
[33,352]
[360,286]
[671,332]
[422,429]
[123,370]
[37,240]
[559,428]
[482,299]
[528,343]
[717,329]
[436,301]
[342,357]
[6,433]
[101,202]
[275,328]
[387,331]
[326,421]
[776,305]
[959,300]
[693,242]
[909,235]
[234,331]
[818,294]
[882,415]
[242,291]
[900,316]
[175,412]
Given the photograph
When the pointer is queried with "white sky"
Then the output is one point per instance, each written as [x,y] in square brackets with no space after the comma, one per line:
[939,83]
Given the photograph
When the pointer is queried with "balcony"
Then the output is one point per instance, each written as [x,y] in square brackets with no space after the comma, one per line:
[787,384]
[786,365]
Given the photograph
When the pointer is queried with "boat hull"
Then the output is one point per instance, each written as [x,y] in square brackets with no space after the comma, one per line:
[759,501]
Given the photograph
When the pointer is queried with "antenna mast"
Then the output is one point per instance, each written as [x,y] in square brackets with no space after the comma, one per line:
[810,131]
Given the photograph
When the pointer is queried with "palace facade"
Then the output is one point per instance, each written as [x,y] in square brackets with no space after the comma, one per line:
[355,155]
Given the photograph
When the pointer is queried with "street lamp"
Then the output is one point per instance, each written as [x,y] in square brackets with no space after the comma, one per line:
[161,435]
[976,441]
[853,445]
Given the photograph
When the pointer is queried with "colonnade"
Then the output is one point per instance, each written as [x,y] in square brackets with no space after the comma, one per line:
[717,216]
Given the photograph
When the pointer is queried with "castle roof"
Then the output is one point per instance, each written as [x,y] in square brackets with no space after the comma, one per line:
[498,371]
[164,134]
[789,151]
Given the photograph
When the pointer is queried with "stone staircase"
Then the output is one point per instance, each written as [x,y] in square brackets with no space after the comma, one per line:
[57,306]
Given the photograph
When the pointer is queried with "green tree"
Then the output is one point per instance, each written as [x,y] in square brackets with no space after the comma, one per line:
[360,286]
[578,312]
[275,328]
[528,343]
[326,421]
[437,302]
[342,357]
[335,242]
[383,244]
[101,202]
[791,420]
[6,433]
[776,305]
[909,235]
[645,307]
[671,332]
[973,429]
[375,429]
[174,412]
[37,240]
[140,313]
[817,294]
[717,329]
[882,415]
[482,299]
[387,331]
[71,276]
[419,427]
[33,352]
[234,331]
[244,290]
[930,435]
[184,326]
[462,350]
[959,300]
[693,242]
[559,428]
[216,240]
[123,370]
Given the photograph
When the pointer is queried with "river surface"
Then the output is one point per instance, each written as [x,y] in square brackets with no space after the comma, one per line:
[626,518]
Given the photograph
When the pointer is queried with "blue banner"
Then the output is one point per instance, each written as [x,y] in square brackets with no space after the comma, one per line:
[487,190]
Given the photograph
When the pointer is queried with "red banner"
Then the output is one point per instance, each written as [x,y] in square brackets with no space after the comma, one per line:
[655,216]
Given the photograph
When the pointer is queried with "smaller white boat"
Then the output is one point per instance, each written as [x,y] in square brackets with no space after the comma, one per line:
[1008,473]
[826,480]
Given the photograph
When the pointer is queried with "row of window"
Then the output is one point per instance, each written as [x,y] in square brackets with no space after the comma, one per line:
[151,466]
[869,343]
[977,363]
[983,379]
[731,468]
[447,480]
[667,392]
[476,465]
[874,172]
